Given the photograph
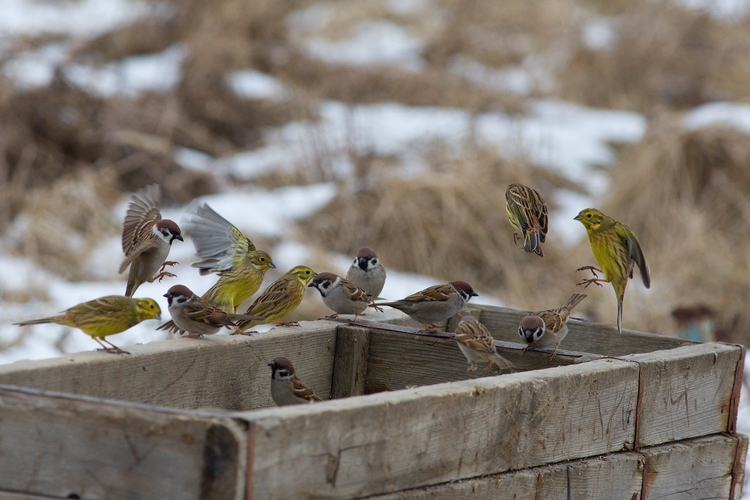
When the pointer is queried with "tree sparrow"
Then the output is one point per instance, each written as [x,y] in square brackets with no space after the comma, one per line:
[146,239]
[341,295]
[527,213]
[367,273]
[195,316]
[548,328]
[286,388]
[478,345]
[435,303]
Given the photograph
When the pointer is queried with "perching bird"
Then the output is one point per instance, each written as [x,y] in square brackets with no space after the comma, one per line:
[104,316]
[224,250]
[146,239]
[280,298]
[548,328]
[435,303]
[367,273]
[341,295]
[196,316]
[478,345]
[527,213]
[286,388]
[616,250]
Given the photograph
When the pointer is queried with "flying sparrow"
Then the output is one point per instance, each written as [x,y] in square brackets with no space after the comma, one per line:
[104,316]
[477,344]
[548,328]
[616,250]
[196,316]
[367,273]
[341,295]
[280,298]
[435,303]
[146,239]
[527,213]
[286,388]
[224,250]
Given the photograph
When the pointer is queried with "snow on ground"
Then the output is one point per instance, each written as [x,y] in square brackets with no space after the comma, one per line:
[250,84]
[724,114]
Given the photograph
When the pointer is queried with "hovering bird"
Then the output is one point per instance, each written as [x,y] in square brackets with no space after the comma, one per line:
[146,239]
[617,251]
[104,316]
[527,213]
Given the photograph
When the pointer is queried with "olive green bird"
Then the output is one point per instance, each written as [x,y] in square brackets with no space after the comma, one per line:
[224,250]
[616,250]
[104,316]
[280,298]
[527,213]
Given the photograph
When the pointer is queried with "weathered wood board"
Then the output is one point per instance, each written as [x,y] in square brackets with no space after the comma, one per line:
[687,391]
[700,468]
[67,446]
[443,432]
[594,338]
[219,371]
[611,477]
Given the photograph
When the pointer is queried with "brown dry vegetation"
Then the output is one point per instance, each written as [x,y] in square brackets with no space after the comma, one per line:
[684,193]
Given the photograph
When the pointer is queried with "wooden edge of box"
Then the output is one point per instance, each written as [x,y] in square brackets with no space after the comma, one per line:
[52,437]
[290,445]
[686,392]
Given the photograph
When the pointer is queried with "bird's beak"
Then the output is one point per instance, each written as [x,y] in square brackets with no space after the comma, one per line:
[166,295]
[158,316]
[362,263]
[577,217]
[271,265]
[179,237]
[312,283]
[474,294]
[270,364]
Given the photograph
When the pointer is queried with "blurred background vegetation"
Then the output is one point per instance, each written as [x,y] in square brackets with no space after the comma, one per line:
[66,154]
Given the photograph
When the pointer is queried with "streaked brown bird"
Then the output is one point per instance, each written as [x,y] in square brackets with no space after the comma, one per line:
[478,345]
[527,213]
[549,327]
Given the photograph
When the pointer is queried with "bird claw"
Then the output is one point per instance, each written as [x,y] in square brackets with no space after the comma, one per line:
[590,268]
[238,331]
[113,350]
[162,275]
[588,282]
[376,307]
[516,237]
[330,316]
[192,336]
[168,263]
[471,369]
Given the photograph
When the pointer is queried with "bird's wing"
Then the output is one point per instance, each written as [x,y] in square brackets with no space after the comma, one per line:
[278,292]
[304,392]
[142,211]
[635,251]
[474,335]
[218,243]
[354,292]
[148,244]
[431,294]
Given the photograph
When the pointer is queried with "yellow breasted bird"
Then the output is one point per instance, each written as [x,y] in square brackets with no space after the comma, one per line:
[616,250]
[104,316]
[280,298]
[527,213]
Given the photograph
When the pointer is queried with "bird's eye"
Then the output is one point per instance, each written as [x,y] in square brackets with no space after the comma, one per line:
[307,272]
[374,261]
[589,216]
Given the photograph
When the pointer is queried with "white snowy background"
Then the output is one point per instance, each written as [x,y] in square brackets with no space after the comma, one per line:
[565,137]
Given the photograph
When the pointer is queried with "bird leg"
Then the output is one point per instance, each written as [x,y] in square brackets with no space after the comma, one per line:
[590,268]
[488,367]
[587,282]
[429,327]
[168,263]
[193,335]
[516,237]
[113,349]
[336,315]
[472,368]
[554,353]
[161,276]
[375,306]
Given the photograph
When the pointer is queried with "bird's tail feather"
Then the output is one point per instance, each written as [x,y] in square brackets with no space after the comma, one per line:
[501,362]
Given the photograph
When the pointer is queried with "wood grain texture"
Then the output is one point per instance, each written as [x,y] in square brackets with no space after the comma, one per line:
[350,362]
[400,360]
[392,441]
[8,495]
[687,391]
[594,338]
[613,477]
[60,445]
[219,371]
[699,468]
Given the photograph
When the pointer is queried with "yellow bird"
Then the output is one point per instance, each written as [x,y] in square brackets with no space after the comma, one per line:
[224,250]
[104,316]
[616,250]
[527,213]
[280,298]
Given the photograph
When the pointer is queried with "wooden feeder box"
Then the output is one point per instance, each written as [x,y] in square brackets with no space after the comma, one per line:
[630,416]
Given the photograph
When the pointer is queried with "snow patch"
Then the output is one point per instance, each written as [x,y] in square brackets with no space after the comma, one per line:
[726,114]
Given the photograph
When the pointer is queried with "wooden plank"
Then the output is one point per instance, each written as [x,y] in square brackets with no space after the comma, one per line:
[73,447]
[9,495]
[594,338]
[687,391]
[219,371]
[350,361]
[613,477]
[396,440]
[399,360]
[699,468]
[738,469]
